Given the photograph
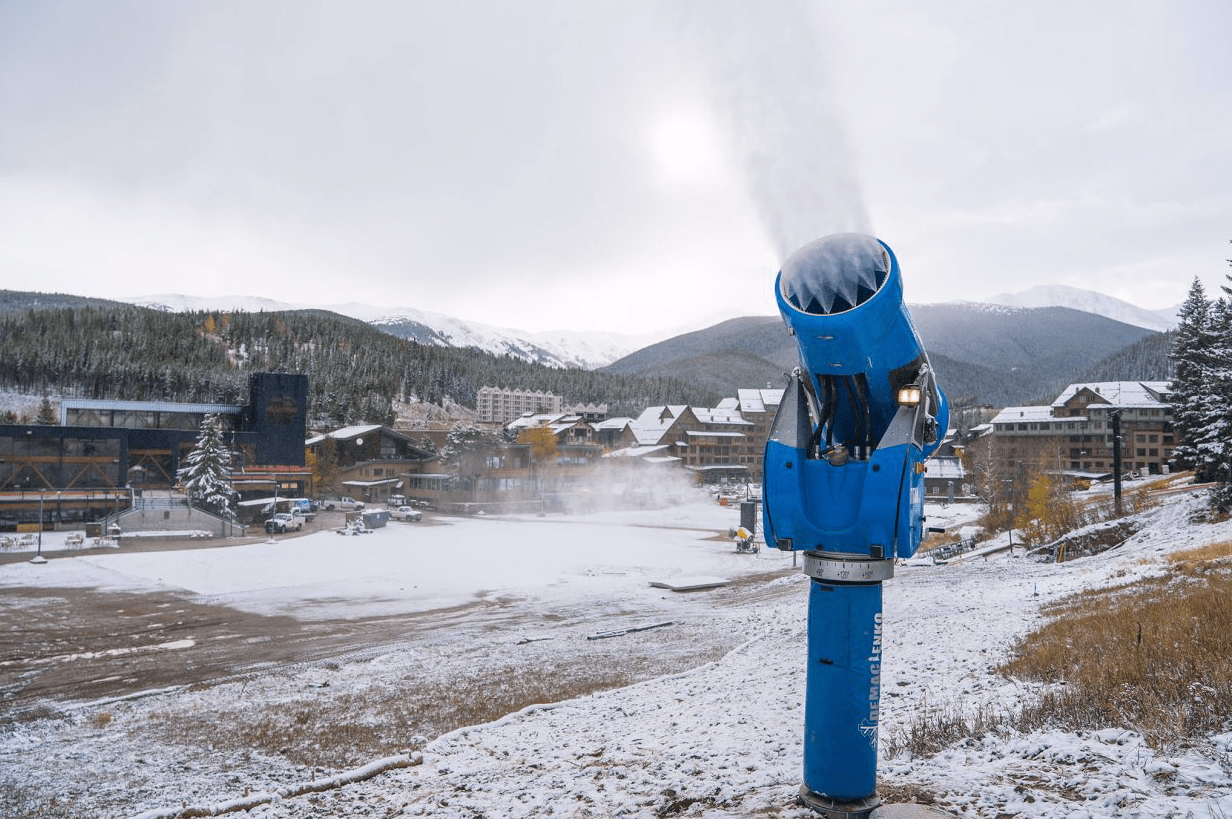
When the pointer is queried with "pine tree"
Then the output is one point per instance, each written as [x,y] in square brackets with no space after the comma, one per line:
[46,414]
[206,474]
[462,438]
[1190,351]
[1215,440]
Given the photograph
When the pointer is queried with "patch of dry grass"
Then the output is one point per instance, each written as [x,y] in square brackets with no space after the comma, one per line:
[1210,553]
[1154,656]
[350,727]
[19,802]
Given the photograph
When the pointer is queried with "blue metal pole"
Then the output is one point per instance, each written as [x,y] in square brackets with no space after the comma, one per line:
[842,691]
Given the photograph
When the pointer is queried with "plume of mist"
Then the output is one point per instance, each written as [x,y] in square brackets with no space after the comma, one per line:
[765,63]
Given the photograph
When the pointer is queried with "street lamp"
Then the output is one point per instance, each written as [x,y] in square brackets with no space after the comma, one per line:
[1009,483]
[38,557]
[1116,460]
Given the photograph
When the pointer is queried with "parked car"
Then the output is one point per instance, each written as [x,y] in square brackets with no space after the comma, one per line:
[284,522]
[346,504]
[406,513]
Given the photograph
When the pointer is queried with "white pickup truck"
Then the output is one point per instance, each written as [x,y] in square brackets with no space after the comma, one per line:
[346,504]
[406,513]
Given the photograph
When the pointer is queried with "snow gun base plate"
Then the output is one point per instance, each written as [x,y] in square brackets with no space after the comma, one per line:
[868,808]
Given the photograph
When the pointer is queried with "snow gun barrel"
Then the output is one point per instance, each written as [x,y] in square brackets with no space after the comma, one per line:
[844,462]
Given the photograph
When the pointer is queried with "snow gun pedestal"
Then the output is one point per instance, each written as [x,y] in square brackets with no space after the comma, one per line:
[843,690]
[843,683]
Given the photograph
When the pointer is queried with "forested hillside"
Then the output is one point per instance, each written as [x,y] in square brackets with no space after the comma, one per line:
[1145,361]
[982,353]
[355,371]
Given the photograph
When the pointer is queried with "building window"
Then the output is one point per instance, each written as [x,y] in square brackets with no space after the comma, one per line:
[281,409]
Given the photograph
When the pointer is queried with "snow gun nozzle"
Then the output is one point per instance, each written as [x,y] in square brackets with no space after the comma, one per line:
[835,274]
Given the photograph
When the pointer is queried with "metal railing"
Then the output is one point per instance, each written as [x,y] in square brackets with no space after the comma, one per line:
[951,550]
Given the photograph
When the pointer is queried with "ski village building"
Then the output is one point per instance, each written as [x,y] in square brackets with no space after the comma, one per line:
[1073,435]
[106,455]
[374,461]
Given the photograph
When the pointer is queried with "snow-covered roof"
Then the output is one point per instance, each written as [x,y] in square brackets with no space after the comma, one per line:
[384,482]
[1127,394]
[720,415]
[1011,415]
[612,423]
[710,433]
[661,414]
[647,437]
[544,419]
[943,467]
[343,434]
[759,400]
[636,451]
[1082,474]
[649,427]
[259,501]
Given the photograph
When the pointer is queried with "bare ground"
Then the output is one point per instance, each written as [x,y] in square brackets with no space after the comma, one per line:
[73,645]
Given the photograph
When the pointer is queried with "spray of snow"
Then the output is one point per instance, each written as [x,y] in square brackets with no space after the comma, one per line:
[769,81]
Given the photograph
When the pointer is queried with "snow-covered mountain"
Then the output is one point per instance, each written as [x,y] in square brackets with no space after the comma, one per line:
[1059,295]
[592,350]
[554,348]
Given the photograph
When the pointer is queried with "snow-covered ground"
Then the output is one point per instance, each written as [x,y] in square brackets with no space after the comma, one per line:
[720,740]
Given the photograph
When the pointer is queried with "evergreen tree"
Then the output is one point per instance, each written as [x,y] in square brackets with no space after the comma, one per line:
[1202,393]
[1214,442]
[1211,405]
[46,414]
[1190,350]
[206,474]
[462,438]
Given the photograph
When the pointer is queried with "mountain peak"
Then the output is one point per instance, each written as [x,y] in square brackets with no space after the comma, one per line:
[1060,295]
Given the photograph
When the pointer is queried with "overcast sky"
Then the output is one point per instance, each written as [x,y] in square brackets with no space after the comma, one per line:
[623,165]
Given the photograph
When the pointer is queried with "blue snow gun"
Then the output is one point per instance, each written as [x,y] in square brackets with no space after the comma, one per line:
[844,483]
[844,465]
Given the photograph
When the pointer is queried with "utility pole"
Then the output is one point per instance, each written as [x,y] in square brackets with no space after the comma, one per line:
[1116,460]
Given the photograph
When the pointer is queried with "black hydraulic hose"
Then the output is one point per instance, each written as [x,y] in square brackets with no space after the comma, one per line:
[831,400]
[826,411]
[862,391]
[855,408]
